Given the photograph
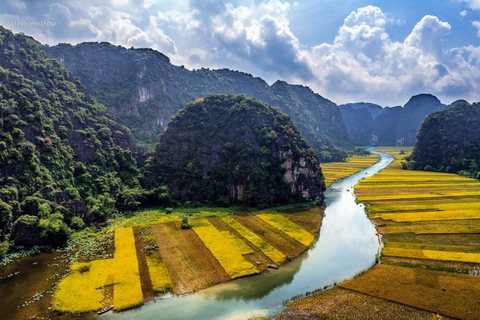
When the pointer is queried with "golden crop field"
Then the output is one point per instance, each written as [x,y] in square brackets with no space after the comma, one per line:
[337,170]
[83,290]
[428,220]
[290,228]
[181,261]
[272,253]
[226,251]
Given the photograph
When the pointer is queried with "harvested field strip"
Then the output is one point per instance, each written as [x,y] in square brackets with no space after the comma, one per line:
[147,288]
[425,207]
[432,255]
[290,228]
[272,253]
[158,274]
[224,249]
[270,234]
[430,216]
[338,303]
[83,289]
[454,295]
[190,264]
[310,220]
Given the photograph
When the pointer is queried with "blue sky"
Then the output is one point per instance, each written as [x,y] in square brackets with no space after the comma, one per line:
[347,51]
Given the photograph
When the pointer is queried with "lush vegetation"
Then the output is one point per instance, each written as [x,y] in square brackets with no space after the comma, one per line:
[63,162]
[449,141]
[144,91]
[228,149]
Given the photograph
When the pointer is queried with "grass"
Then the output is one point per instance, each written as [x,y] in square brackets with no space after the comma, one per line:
[83,290]
[267,249]
[337,170]
[290,228]
[225,250]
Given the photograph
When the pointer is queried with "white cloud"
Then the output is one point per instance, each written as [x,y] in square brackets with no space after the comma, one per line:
[361,63]
[476,24]
[463,13]
[473,4]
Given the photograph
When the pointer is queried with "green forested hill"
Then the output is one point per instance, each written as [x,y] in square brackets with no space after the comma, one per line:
[63,162]
[228,149]
[449,141]
[143,90]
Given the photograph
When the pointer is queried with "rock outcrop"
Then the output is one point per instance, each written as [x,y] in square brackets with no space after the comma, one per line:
[228,149]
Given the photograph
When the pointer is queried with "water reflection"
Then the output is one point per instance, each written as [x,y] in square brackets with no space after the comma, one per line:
[347,245]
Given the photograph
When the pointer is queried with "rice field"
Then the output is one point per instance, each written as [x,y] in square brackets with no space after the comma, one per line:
[430,221]
[336,170]
[290,228]
[153,254]
[224,249]
[276,256]
[85,288]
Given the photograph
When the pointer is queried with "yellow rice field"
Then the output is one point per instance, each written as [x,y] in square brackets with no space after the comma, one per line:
[83,289]
[423,203]
[432,255]
[226,251]
[290,228]
[267,249]
[337,170]
[193,255]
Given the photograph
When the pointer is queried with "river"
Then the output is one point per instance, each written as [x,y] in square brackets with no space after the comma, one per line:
[348,245]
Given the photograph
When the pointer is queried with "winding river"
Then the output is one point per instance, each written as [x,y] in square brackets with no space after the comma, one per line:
[347,245]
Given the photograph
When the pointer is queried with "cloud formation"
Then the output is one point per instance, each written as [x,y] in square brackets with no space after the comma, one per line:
[361,63]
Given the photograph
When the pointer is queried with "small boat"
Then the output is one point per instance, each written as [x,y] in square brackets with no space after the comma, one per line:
[105,310]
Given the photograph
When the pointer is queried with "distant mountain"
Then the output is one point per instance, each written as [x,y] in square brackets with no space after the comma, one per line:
[449,141]
[227,149]
[371,124]
[143,90]
[62,160]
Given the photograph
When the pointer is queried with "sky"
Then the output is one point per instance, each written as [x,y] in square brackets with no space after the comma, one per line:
[380,51]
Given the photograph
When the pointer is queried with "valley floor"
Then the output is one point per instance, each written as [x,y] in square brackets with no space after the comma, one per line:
[153,254]
[430,264]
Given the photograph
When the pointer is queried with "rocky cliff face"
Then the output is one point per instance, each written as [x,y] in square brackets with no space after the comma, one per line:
[143,90]
[371,124]
[228,149]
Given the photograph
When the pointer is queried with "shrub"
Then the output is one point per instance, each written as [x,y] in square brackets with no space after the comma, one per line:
[77,223]
[168,210]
